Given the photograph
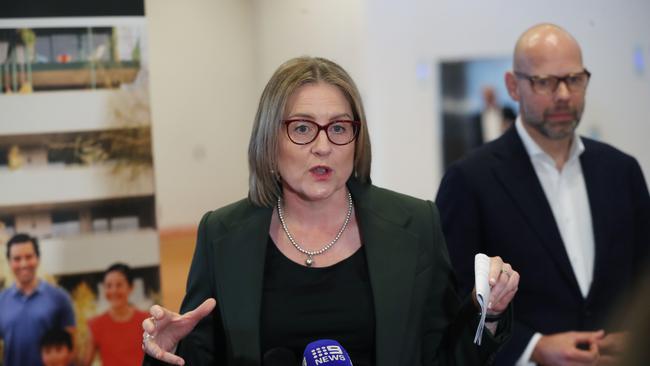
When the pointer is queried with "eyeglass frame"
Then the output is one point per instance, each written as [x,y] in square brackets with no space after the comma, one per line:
[560,79]
[356,127]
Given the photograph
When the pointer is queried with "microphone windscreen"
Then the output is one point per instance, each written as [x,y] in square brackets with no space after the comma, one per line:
[325,352]
[279,357]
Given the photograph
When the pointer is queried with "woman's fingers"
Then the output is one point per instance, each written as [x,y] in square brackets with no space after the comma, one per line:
[505,282]
[496,263]
[148,325]
[152,348]
[202,310]
[160,317]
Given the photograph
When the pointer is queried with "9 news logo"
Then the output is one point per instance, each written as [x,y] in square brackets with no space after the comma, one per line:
[327,354]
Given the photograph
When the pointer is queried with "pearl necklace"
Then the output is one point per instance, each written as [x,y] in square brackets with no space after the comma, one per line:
[311,253]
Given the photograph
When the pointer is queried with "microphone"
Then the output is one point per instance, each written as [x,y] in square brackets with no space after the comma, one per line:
[279,357]
[325,352]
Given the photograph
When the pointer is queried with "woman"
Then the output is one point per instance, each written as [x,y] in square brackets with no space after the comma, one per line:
[116,333]
[316,251]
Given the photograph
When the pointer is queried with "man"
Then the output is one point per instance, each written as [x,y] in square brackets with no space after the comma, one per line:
[571,214]
[489,120]
[31,306]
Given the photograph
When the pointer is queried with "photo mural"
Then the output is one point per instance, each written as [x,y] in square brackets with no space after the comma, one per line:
[76,165]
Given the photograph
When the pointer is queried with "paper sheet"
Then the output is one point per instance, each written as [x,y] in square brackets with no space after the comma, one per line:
[482,285]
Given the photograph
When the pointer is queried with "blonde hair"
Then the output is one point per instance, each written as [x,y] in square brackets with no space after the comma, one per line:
[263,182]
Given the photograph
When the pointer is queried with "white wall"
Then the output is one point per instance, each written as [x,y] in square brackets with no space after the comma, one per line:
[203,103]
[334,29]
[210,60]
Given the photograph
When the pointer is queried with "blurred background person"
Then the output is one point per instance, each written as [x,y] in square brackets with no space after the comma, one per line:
[30,306]
[635,317]
[509,116]
[490,122]
[490,119]
[57,348]
[116,334]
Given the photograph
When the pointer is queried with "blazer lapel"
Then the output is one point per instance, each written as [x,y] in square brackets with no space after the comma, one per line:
[391,251]
[518,177]
[598,196]
[239,273]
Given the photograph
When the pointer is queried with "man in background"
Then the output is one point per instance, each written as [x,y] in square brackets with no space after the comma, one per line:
[490,119]
[571,214]
[31,306]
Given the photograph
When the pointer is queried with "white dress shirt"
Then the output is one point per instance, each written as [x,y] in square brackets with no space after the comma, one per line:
[566,193]
[491,121]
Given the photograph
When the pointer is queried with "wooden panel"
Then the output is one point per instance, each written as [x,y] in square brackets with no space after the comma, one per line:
[176,250]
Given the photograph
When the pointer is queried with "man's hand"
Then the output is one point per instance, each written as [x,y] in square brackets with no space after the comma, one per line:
[569,348]
[611,348]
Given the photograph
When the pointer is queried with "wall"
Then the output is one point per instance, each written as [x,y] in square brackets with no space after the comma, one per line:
[202,98]
[334,29]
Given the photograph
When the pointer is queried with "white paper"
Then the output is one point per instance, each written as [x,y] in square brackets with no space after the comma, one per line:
[482,285]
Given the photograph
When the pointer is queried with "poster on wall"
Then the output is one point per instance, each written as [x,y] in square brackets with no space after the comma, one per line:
[476,107]
[76,166]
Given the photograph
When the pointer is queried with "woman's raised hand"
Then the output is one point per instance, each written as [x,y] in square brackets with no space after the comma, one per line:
[164,329]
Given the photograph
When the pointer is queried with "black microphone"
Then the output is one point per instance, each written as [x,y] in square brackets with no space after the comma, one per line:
[279,356]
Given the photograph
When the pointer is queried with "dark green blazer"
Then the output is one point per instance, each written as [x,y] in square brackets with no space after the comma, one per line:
[419,320]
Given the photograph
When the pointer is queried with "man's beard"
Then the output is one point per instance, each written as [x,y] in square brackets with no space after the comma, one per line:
[544,126]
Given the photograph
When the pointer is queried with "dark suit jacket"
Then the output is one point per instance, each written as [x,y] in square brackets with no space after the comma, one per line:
[493,202]
[419,320]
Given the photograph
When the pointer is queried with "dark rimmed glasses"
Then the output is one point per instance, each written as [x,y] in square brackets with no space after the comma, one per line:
[340,132]
[548,84]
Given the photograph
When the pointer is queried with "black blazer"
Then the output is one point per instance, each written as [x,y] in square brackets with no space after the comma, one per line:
[419,320]
[493,202]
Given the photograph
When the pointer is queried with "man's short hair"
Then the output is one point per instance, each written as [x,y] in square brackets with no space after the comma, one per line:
[56,337]
[23,238]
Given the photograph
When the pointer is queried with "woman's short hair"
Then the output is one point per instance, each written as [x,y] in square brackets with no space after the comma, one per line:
[264,185]
[122,268]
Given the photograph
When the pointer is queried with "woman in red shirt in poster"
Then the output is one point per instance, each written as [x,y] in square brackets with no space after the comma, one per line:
[116,334]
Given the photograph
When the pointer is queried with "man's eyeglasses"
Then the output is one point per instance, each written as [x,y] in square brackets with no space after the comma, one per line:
[302,131]
[576,83]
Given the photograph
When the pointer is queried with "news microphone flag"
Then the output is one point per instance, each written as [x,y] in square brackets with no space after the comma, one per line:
[325,352]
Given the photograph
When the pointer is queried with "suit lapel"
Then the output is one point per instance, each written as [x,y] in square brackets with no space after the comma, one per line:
[598,195]
[239,269]
[391,251]
[517,175]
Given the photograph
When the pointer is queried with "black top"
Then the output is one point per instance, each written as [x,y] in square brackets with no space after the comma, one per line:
[301,305]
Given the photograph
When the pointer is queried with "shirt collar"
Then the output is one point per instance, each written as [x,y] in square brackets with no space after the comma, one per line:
[14,291]
[534,151]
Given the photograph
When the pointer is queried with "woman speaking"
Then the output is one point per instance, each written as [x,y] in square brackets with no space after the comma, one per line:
[316,251]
